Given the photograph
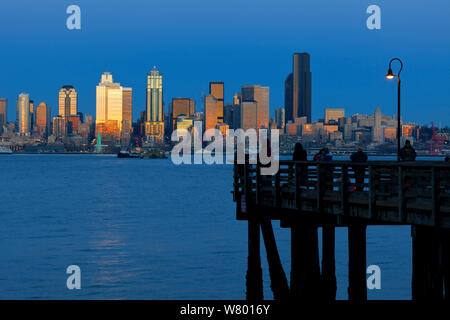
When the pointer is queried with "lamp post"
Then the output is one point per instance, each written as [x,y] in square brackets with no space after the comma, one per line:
[390,75]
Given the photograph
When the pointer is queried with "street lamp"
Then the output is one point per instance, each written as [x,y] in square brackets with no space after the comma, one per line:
[390,76]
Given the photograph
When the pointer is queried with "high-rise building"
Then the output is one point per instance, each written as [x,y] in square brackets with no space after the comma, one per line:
[232,115]
[280,118]
[42,124]
[179,107]
[23,114]
[154,107]
[210,112]
[67,101]
[249,111]
[301,84]
[377,129]
[289,98]
[216,89]
[127,114]
[3,113]
[155,111]
[334,114]
[113,108]
[260,95]
[31,115]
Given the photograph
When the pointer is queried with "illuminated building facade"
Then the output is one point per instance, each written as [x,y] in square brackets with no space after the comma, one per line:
[113,110]
[211,112]
[42,124]
[67,101]
[216,89]
[23,114]
[334,114]
[260,95]
[3,113]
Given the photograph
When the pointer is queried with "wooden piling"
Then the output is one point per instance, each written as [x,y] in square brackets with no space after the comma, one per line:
[427,277]
[254,280]
[357,290]
[305,269]
[329,285]
[279,284]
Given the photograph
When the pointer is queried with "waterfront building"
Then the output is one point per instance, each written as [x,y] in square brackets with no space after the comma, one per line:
[23,114]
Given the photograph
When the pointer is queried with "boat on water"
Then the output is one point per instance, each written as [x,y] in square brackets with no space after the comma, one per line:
[127,154]
[5,150]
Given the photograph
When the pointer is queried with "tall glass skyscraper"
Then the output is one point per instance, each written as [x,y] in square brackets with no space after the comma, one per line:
[23,114]
[155,111]
[301,85]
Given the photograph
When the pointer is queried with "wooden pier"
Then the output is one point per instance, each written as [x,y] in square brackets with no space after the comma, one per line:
[308,195]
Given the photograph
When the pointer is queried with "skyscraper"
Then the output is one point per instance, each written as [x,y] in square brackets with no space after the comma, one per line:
[288,98]
[127,114]
[301,84]
[260,95]
[377,129]
[181,106]
[23,114]
[154,126]
[280,118]
[42,124]
[113,108]
[216,89]
[67,101]
[155,111]
[3,113]
[249,111]
[211,112]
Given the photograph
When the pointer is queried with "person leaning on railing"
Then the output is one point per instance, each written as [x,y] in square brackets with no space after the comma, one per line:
[407,153]
[359,171]
[300,154]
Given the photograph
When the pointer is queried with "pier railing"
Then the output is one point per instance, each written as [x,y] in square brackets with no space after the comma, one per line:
[416,193]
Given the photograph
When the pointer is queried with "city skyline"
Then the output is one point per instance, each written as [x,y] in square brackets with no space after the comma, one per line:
[347,59]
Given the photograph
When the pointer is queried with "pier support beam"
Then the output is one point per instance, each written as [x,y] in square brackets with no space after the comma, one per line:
[279,284]
[427,278]
[329,285]
[254,280]
[305,269]
[357,289]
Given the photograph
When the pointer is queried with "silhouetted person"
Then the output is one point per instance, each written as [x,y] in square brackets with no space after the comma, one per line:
[360,171]
[447,159]
[300,154]
[407,153]
[326,172]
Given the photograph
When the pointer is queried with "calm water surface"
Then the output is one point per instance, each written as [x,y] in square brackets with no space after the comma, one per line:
[146,229]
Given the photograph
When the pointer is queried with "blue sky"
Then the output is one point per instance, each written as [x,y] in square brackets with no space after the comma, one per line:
[235,41]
